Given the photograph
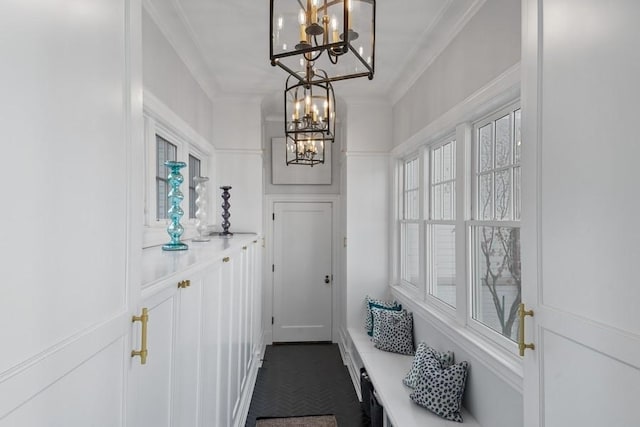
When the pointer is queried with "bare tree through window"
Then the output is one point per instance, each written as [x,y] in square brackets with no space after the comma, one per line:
[498,288]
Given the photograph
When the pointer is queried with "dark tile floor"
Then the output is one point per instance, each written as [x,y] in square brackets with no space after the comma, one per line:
[304,379]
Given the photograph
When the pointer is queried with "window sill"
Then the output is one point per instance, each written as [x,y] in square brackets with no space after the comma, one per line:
[157,234]
[504,364]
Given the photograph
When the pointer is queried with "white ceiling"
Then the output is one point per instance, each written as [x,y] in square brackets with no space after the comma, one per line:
[231,39]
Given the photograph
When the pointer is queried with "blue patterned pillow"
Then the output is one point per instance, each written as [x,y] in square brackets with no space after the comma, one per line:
[371,302]
[440,390]
[423,353]
[393,330]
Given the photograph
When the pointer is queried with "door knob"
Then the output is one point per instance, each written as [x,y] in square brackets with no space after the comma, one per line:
[326,279]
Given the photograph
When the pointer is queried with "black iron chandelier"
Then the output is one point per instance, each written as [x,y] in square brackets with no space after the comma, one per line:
[302,30]
[309,112]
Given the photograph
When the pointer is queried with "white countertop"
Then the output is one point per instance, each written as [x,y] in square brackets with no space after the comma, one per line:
[158,264]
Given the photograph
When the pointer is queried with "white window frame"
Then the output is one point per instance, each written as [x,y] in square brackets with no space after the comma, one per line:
[429,222]
[477,326]
[416,288]
[196,156]
[459,317]
[160,120]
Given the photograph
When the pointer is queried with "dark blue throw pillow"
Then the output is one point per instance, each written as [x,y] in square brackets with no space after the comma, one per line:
[386,305]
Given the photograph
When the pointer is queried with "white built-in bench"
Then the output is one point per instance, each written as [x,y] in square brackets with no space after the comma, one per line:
[386,371]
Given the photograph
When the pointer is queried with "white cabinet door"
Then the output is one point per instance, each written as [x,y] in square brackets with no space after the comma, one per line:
[581,61]
[169,384]
[213,379]
[225,399]
[70,210]
[155,381]
[188,354]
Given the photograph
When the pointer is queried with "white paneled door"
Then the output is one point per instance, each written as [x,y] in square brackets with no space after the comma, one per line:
[71,124]
[581,62]
[302,276]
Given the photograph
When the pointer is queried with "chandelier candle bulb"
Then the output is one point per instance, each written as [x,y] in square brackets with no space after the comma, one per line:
[325,27]
[314,12]
[303,33]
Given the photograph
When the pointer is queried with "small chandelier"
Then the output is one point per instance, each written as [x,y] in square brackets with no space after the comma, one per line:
[305,149]
[309,116]
[302,30]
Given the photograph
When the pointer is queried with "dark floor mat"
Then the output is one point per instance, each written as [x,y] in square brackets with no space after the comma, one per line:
[303,379]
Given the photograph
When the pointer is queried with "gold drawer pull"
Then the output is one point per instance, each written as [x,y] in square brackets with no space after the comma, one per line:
[226,259]
[144,319]
[244,248]
[521,345]
[184,284]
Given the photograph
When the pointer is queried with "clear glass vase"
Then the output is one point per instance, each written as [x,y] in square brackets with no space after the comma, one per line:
[201,208]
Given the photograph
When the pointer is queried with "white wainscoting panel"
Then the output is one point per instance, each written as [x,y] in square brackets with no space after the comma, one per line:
[90,395]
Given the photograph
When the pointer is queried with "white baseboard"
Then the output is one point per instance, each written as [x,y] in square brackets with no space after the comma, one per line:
[346,351]
[250,384]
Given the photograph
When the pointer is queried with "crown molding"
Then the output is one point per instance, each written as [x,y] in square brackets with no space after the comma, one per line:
[453,17]
[366,153]
[240,151]
[170,19]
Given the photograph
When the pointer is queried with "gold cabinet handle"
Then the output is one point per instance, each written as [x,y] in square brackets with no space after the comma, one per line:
[255,241]
[244,248]
[226,259]
[184,284]
[521,345]
[144,319]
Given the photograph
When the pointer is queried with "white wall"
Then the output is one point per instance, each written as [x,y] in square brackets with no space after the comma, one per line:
[367,252]
[168,78]
[274,129]
[369,125]
[237,136]
[487,46]
[366,174]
